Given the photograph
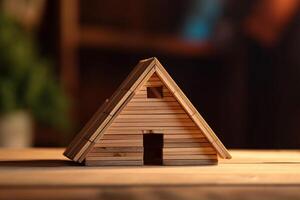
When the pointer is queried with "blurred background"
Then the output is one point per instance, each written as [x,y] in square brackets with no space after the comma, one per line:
[237,60]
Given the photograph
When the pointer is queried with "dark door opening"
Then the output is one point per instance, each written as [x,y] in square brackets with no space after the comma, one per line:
[153,144]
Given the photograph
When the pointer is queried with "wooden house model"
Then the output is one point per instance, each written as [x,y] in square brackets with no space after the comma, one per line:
[147,121]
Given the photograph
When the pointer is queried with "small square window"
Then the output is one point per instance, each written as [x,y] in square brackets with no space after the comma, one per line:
[155,92]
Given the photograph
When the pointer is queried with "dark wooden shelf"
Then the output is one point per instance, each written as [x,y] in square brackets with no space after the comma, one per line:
[169,44]
[134,39]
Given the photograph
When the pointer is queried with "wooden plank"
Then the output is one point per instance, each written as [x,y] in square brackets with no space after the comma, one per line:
[187,144]
[47,167]
[119,141]
[84,131]
[97,127]
[167,111]
[190,162]
[119,99]
[117,149]
[128,144]
[178,140]
[179,128]
[153,124]
[189,150]
[106,125]
[153,104]
[183,136]
[213,152]
[190,157]
[114,163]
[121,136]
[168,133]
[123,132]
[100,158]
[138,70]
[80,149]
[116,101]
[115,154]
[142,78]
[151,120]
[161,116]
[152,109]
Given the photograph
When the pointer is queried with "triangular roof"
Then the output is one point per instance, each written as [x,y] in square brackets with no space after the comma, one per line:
[105,115]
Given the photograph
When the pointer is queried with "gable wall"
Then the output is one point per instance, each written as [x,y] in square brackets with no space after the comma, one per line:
[122,143]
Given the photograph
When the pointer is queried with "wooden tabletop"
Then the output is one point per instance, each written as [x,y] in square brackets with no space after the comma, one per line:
[34,171]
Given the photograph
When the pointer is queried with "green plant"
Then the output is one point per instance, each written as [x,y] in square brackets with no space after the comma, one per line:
[26,82]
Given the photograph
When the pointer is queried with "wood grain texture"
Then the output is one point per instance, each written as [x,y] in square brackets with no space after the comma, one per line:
[188,192]
[48,167]
[148,114]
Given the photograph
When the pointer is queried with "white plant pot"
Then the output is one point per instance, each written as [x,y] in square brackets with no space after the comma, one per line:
[16,130]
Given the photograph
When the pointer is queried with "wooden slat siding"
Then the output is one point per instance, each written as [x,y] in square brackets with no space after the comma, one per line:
[171,133]
[166,99]
[169,111]
[189,149]
[116,154]
[117,149]
[152,108]
[119,107]
[151,120]
[165,116]
[191,110]
[112,141]
[189,153]
[95,128]
[74,143]
[166,128]
[121,136]
[105,158]
[190,157]
[113,163]
[74,150]
[120,95]
[150,103]
[137,158]
[136,83]
[187,144]
[82,136]
[167,140]
[127,144]
[187,135]
[121,104]
[190,162]
[153,116]
[153,124]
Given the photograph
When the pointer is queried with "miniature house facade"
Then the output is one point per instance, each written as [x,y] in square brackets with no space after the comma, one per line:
[147,121]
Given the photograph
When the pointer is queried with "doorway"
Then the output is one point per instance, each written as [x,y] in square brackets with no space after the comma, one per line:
[153,145]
